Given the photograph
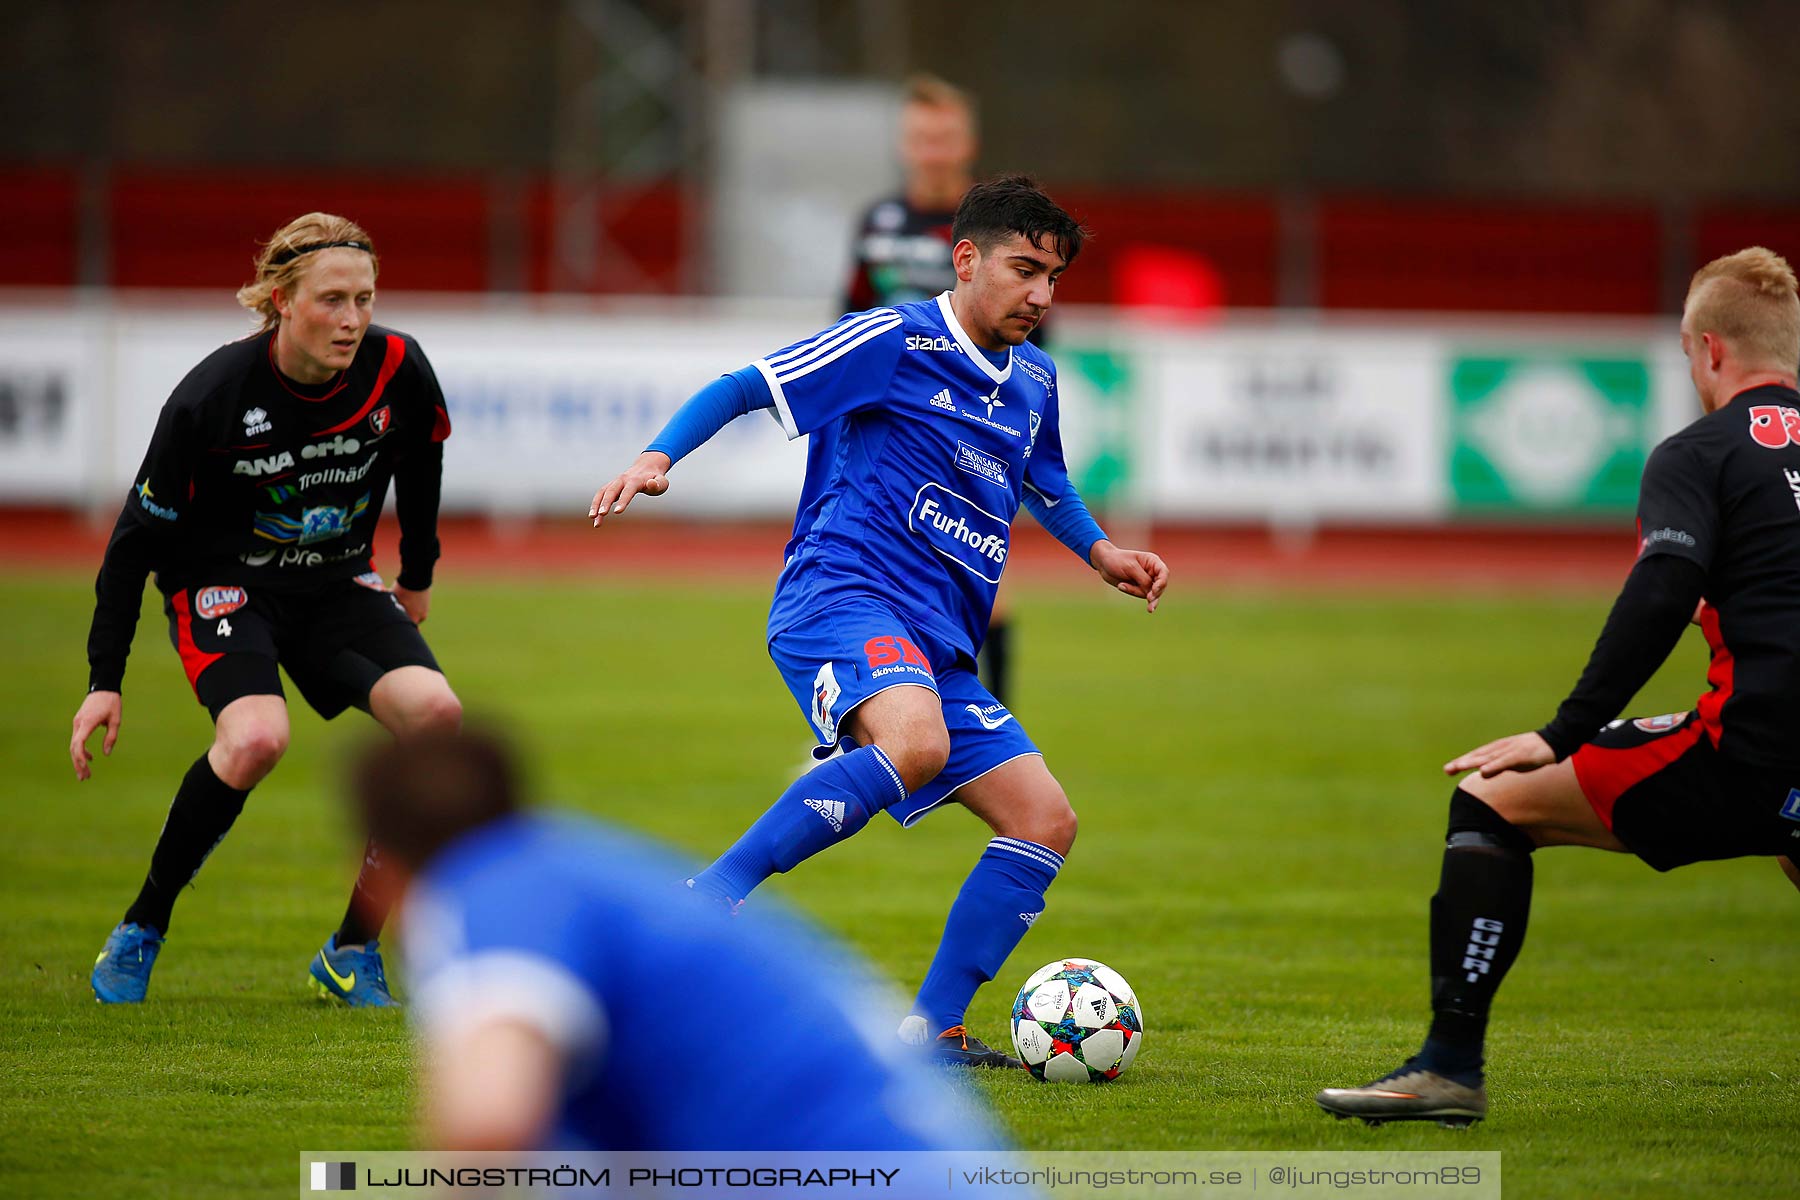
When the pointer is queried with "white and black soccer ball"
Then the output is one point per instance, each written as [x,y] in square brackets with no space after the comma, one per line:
[1077,1021]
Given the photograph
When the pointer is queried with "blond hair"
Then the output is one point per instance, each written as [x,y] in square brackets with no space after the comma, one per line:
[1752,301]
[934,92]
[284,257]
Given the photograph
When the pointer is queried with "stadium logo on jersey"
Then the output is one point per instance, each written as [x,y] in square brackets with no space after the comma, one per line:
[942,400]
[825,693]
[256,421]
[1791,810]
[831,810]
[960,530]
[937,345]
[149,505]
[985,466]
[986,715]
[379,419]
[1660,724]
[214,602]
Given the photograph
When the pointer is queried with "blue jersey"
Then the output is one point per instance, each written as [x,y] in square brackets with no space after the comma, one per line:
[679,1028]
[922,446]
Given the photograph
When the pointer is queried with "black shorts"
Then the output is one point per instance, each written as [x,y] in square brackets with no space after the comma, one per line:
[1663,789]
[335,640]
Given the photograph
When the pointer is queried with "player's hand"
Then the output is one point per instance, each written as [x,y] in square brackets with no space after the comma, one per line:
[416,604]
[1135,572]
[1520,752]
[649,475]
[100,708]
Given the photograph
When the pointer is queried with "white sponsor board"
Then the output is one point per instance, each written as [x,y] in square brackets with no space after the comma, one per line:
[1301,423]
[52,392]
[1293,426]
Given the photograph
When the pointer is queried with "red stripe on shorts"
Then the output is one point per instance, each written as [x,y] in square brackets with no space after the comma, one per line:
[1720,673]
[194,660]
[1606,774]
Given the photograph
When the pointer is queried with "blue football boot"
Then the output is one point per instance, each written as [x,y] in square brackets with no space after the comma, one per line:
[353,975]
[122,972]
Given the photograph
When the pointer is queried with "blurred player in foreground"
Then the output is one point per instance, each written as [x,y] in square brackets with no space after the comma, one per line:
[902,255]
[929,424]
[1719,518]
[570,996]
[256,507]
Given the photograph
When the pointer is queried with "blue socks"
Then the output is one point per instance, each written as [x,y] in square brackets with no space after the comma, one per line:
[821,809]
[1003,895]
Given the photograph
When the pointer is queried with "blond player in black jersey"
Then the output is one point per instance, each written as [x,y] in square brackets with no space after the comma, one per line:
[256,508]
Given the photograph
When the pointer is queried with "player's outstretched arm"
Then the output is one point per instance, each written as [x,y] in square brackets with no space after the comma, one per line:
[1135,572]
[99,709]
[648,476]
[1520,752]
[1790,870]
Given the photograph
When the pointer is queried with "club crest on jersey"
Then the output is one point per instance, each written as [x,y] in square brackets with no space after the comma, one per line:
[211,602]
[256,421]
[1660,724]
[1791,810]
[380,419]
[1037,419]
[372,581]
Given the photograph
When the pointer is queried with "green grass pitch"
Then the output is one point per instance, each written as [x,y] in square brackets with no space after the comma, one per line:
[1261,819]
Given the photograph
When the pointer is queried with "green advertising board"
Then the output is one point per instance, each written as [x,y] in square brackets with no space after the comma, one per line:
[1103,383]
[1547,433]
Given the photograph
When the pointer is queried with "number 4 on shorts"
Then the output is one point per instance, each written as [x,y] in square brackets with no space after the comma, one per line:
[224,627]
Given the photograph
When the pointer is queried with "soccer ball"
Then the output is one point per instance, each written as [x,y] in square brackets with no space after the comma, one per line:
[1077,1021]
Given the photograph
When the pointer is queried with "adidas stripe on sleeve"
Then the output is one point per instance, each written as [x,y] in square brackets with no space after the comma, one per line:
[834,373]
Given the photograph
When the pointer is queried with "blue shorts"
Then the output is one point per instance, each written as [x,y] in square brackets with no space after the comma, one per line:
[843,655]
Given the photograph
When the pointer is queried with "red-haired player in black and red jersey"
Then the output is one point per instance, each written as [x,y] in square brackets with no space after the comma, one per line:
[1719,543]
[902,254]
[256,507]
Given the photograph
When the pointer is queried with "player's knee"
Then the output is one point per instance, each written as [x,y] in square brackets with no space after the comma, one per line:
[1058,827]
[1478,824]
[440,712]
[920,755]
[249,752]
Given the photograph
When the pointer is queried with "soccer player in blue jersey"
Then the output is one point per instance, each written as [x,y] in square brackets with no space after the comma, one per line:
[565,1003]
[930,423]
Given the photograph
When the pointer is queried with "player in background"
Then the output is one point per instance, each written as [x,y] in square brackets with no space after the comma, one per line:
[1719,544]
[256,507]
[902,253]
[930,423]
[564,1003]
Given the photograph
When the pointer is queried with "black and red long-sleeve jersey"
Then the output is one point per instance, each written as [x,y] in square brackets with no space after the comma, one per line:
[1723,497]
[902,254]
[255,480]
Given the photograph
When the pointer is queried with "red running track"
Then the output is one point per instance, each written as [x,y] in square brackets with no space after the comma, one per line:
[1475,558]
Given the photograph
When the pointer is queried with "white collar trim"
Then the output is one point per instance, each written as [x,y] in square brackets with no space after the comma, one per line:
[975,353]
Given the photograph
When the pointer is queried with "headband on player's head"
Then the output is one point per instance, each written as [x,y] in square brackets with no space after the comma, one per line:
[293,252]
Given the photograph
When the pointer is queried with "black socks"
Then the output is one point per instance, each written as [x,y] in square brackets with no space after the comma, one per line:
[369,902]
[203,811]
[1477,928]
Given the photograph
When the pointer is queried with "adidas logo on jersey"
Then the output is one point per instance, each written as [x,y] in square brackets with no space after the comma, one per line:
[942,400]
[831,810]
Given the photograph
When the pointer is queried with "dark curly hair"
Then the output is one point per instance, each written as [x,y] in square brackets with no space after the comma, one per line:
[997,208]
